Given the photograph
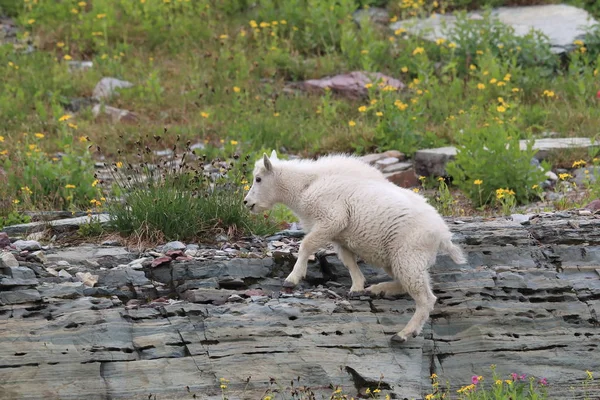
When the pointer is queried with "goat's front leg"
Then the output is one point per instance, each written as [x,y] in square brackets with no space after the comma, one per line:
[319,236]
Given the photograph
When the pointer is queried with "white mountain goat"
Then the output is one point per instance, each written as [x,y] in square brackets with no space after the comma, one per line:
[387,226]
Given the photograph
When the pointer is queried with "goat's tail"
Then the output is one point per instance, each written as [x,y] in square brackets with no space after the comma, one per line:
[455,252]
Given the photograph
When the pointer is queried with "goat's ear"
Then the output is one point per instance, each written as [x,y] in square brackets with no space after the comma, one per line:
[268,165]
[274,155]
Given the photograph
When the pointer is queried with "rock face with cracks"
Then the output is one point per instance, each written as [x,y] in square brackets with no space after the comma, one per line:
[528,301]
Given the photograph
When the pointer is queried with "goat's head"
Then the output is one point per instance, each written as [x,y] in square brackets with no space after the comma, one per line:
[262,195]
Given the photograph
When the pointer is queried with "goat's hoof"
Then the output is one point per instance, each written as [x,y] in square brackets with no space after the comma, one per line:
[288,285]
[354,294]
[398,339]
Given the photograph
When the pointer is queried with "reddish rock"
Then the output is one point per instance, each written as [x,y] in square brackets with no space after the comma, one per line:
[160,261]
[351,85]
[254,292]
[594,205]
[174,253]
[4,240]
[184,258]
[405,179]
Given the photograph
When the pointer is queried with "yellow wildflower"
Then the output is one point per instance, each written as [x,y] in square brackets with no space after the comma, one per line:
[69,186]
[368,85]
[223,36]
[379,114]
[74,11]
[590,375]
[16,201]
[548,93]
[515,90]
[418,50]
[96,181]
[501,83]
[416,190]
[580,163]
[362,109]
[67,57]
[253,24]
[71,125]
[501,109]
[564,176]
[498,382]
[429,397]
[404,69]
[440,41]
[493,81]
[351,123]
[236,89]
[264,25]
[399,31]
[64,118]
[1,138]
[479,52]
[507,77]
[373,101]
[30,21]
[60,44]
[477,182]
[400,105]
[364,52]
[39,135]
[119,164]
[452,45]
[480,86]
[472,67]
[100,16]
[204,114]
[233,142]
[82,4]
[276,114]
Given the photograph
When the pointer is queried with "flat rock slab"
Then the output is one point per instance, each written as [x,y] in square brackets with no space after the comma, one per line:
[432,162]
[528,301]
[561,23]
[59,225]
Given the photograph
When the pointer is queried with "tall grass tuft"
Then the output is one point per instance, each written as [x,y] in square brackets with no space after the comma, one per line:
[179,195]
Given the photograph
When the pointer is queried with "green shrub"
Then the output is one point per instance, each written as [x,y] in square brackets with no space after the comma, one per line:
[489,158]
[37,179]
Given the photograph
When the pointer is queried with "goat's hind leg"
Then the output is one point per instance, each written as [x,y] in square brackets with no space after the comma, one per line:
[393,288]
[417,285]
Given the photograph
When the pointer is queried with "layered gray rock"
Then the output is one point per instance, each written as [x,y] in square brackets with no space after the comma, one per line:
[527,301]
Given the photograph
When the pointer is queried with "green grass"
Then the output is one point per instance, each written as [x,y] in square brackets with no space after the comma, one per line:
[215,72]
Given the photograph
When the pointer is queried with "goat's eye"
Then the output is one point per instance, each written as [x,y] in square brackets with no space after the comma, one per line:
[258,179]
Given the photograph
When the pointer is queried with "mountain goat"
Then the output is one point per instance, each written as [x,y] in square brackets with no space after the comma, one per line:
[361,214]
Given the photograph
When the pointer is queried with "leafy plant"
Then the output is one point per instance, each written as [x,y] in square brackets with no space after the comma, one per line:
[491,157]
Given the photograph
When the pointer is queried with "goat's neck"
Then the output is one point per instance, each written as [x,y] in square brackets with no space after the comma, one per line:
[292,182]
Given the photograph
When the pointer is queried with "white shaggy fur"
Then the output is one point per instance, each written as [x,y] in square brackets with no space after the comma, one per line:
[361,214]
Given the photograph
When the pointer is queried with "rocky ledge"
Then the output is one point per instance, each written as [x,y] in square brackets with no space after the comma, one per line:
[106,323]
